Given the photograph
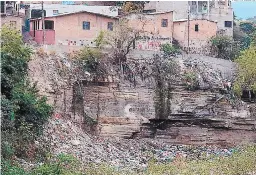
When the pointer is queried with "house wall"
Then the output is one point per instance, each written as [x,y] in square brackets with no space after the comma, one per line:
[219,11]
[197,39]
[179,8]
[153,33]
[69,29]
[73,33]
[17,22]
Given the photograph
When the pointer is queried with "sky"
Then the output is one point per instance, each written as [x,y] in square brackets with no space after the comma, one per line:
[244,9]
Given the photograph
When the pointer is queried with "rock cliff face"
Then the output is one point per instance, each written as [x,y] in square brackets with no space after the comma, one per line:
[204,116]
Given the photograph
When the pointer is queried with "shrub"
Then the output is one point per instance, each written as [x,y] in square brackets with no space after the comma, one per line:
[168,49]
[24,111]
[246,78]
[225,46]
[62,164]
[100,40]
[11,43]
[190,80]
[89,58]
[8,168]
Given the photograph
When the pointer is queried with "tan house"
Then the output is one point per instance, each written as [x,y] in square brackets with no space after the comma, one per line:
[73,29]
[13,21]
[194,34]
[220,11]
[10,17]
[157,29]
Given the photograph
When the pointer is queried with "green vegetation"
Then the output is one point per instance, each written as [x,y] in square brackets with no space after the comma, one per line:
[225,47]
[169,50]
[23,111]
[247,71]
[190,80]
[247,27]
[88,60]
[240,162]
[100,40]
[11,43]
[131,6]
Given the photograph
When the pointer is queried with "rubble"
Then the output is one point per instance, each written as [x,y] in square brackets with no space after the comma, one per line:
[120,153]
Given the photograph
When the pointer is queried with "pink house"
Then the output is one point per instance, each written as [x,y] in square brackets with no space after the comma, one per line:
[197,32]
[73,29]
[156,29]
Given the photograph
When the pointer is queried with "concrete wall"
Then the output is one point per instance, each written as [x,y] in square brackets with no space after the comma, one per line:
[197,39]
[151,26]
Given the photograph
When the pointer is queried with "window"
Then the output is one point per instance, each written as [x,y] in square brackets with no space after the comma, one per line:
[164,22]
[13,24]
[36,13]
[55,12]
[110,26]
[86,25]
[196,28]
[2,6]
[228,23]
[49,25]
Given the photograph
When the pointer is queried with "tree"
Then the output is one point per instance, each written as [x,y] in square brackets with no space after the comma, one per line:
[247,27]
[121,40]
[131,6]
[11,43]
[246,79]
[225,46]
[164,71]
[23,111]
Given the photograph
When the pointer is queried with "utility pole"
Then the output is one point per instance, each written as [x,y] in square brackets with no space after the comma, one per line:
[188,24]
[43,24]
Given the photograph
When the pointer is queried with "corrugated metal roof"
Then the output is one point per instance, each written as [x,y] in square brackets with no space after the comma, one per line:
[60,15]
[184,20]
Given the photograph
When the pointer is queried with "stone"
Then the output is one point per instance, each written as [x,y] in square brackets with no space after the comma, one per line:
[75,142]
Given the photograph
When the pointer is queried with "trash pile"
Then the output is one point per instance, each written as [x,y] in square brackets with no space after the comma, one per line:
[133,154]
[211,73]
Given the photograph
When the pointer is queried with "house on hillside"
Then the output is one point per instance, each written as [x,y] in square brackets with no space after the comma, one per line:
[194,34]
[215,10]
[72,29]
[156,29]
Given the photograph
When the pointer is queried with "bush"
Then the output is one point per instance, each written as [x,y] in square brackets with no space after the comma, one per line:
[246,78]
[23,111]
[225,46]
[100,40]
[89,58]
[63,164]
[11,43]
[169,50]
[190,80]
[8,168]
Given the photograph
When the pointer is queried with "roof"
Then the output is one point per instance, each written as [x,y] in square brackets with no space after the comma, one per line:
[185,20]
[65,9]
[155,13]
[60,15]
